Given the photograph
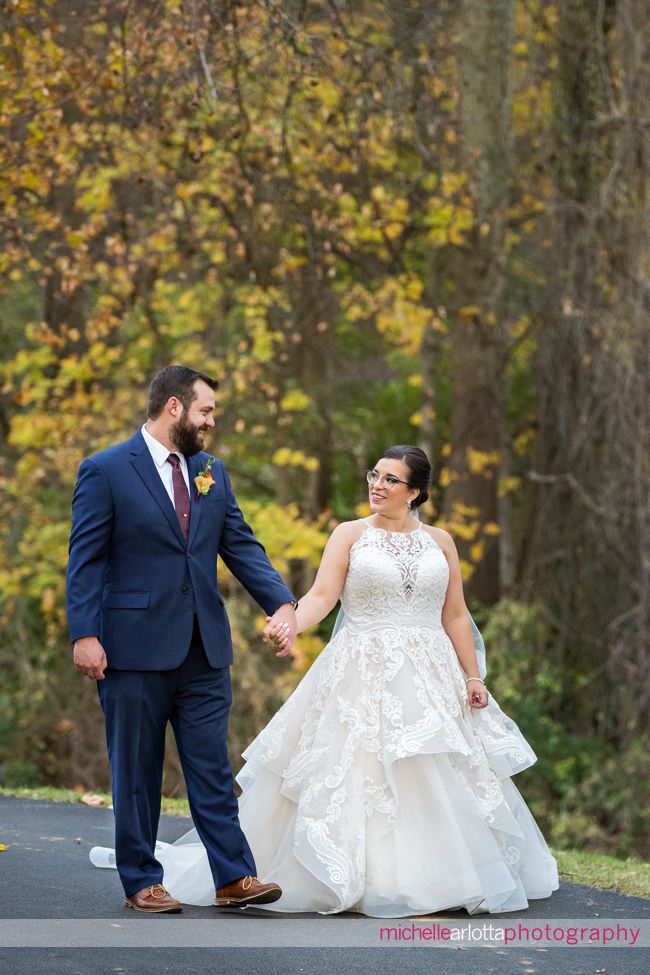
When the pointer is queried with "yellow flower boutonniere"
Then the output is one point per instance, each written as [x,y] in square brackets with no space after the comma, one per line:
[204,480]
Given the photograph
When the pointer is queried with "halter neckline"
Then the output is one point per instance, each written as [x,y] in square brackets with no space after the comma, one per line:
[386,532]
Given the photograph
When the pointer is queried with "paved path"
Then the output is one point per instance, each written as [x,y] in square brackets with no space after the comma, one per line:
[46,874]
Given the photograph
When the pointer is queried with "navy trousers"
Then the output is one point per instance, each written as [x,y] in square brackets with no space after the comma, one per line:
[137,705]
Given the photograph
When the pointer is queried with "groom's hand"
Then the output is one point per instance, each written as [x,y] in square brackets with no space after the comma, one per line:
[89,658]
[282,629]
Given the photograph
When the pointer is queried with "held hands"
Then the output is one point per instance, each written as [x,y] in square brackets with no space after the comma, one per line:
[477,694]
[281,629]
[89,658]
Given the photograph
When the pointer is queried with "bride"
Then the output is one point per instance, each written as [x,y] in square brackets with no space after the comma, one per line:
[383,784]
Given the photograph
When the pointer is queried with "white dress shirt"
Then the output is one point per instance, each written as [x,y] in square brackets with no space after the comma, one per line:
[160,453]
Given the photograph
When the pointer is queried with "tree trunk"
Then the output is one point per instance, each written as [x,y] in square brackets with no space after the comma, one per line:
[590,539]
[478,332]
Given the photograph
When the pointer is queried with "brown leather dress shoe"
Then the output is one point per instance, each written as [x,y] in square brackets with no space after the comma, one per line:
[247,890]
[153,900]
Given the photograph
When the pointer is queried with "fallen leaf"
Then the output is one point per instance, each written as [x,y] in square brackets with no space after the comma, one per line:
[3,846]
[90,799]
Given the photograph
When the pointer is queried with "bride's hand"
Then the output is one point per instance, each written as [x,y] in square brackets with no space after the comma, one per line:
[279,633]
[477,695]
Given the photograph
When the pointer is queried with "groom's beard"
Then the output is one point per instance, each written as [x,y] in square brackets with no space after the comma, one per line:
[187,438]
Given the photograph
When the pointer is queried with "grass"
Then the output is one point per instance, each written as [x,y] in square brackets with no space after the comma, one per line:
[170,807]
[629,876]
[605,872]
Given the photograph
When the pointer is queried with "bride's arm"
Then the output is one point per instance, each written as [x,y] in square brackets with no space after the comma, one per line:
[455,620]
[330,578]
[455,615]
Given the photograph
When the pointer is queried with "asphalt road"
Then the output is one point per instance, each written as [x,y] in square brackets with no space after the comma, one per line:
[46,876]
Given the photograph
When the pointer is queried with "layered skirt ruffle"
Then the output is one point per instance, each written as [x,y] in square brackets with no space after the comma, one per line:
[377,789]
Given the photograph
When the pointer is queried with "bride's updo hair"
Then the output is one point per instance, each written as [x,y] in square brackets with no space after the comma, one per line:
[419,468]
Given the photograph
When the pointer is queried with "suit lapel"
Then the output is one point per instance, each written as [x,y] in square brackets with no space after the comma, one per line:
[144,465]
[194,465]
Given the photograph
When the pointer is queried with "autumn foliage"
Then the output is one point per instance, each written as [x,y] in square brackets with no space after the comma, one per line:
[376,223]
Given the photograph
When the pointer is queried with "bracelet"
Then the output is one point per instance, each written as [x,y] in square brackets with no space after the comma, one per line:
[475,678]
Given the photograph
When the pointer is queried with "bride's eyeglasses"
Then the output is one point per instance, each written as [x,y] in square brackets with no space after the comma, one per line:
[374,477]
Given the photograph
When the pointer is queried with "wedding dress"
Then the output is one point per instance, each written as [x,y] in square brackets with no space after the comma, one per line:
[376,788]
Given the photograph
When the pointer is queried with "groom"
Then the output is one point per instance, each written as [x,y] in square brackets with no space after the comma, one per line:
[148,623]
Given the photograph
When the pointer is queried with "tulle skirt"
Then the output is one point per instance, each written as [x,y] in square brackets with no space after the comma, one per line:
[376,789]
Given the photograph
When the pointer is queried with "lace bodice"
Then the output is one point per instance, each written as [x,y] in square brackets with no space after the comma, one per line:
[395,579]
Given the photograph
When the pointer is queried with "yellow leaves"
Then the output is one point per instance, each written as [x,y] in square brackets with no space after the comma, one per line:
[393,230]
[178,309]
[476,551]
[285,534]
[469,312]
[95,190]
[305,650]
[383,217]
[479,461]
[324,91]
[285,457]
[413,287]
[291,262]
[161,241]
[258,306]
[295,399]
[531,105]
[186,299]
[185,191]
[465,530]
[523,441]
[466,570]
[466,510]
[35,180]
[455,236]
[437,86]
[447,221]
[399,314]
[74,238]
[451,183]
[4,846]
[507,485]
[34,128]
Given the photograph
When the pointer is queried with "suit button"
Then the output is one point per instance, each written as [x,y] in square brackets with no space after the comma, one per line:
[185,590]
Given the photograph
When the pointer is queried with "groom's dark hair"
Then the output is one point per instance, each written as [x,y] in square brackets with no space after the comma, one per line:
[174,381]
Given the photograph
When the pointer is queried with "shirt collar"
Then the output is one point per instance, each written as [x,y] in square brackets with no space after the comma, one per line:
[158,451]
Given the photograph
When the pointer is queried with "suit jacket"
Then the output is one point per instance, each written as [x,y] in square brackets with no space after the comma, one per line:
[134,583]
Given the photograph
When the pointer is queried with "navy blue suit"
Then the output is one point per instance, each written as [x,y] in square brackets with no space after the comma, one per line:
[152,600]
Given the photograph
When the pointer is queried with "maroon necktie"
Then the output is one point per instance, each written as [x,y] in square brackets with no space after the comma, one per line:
[181,495]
